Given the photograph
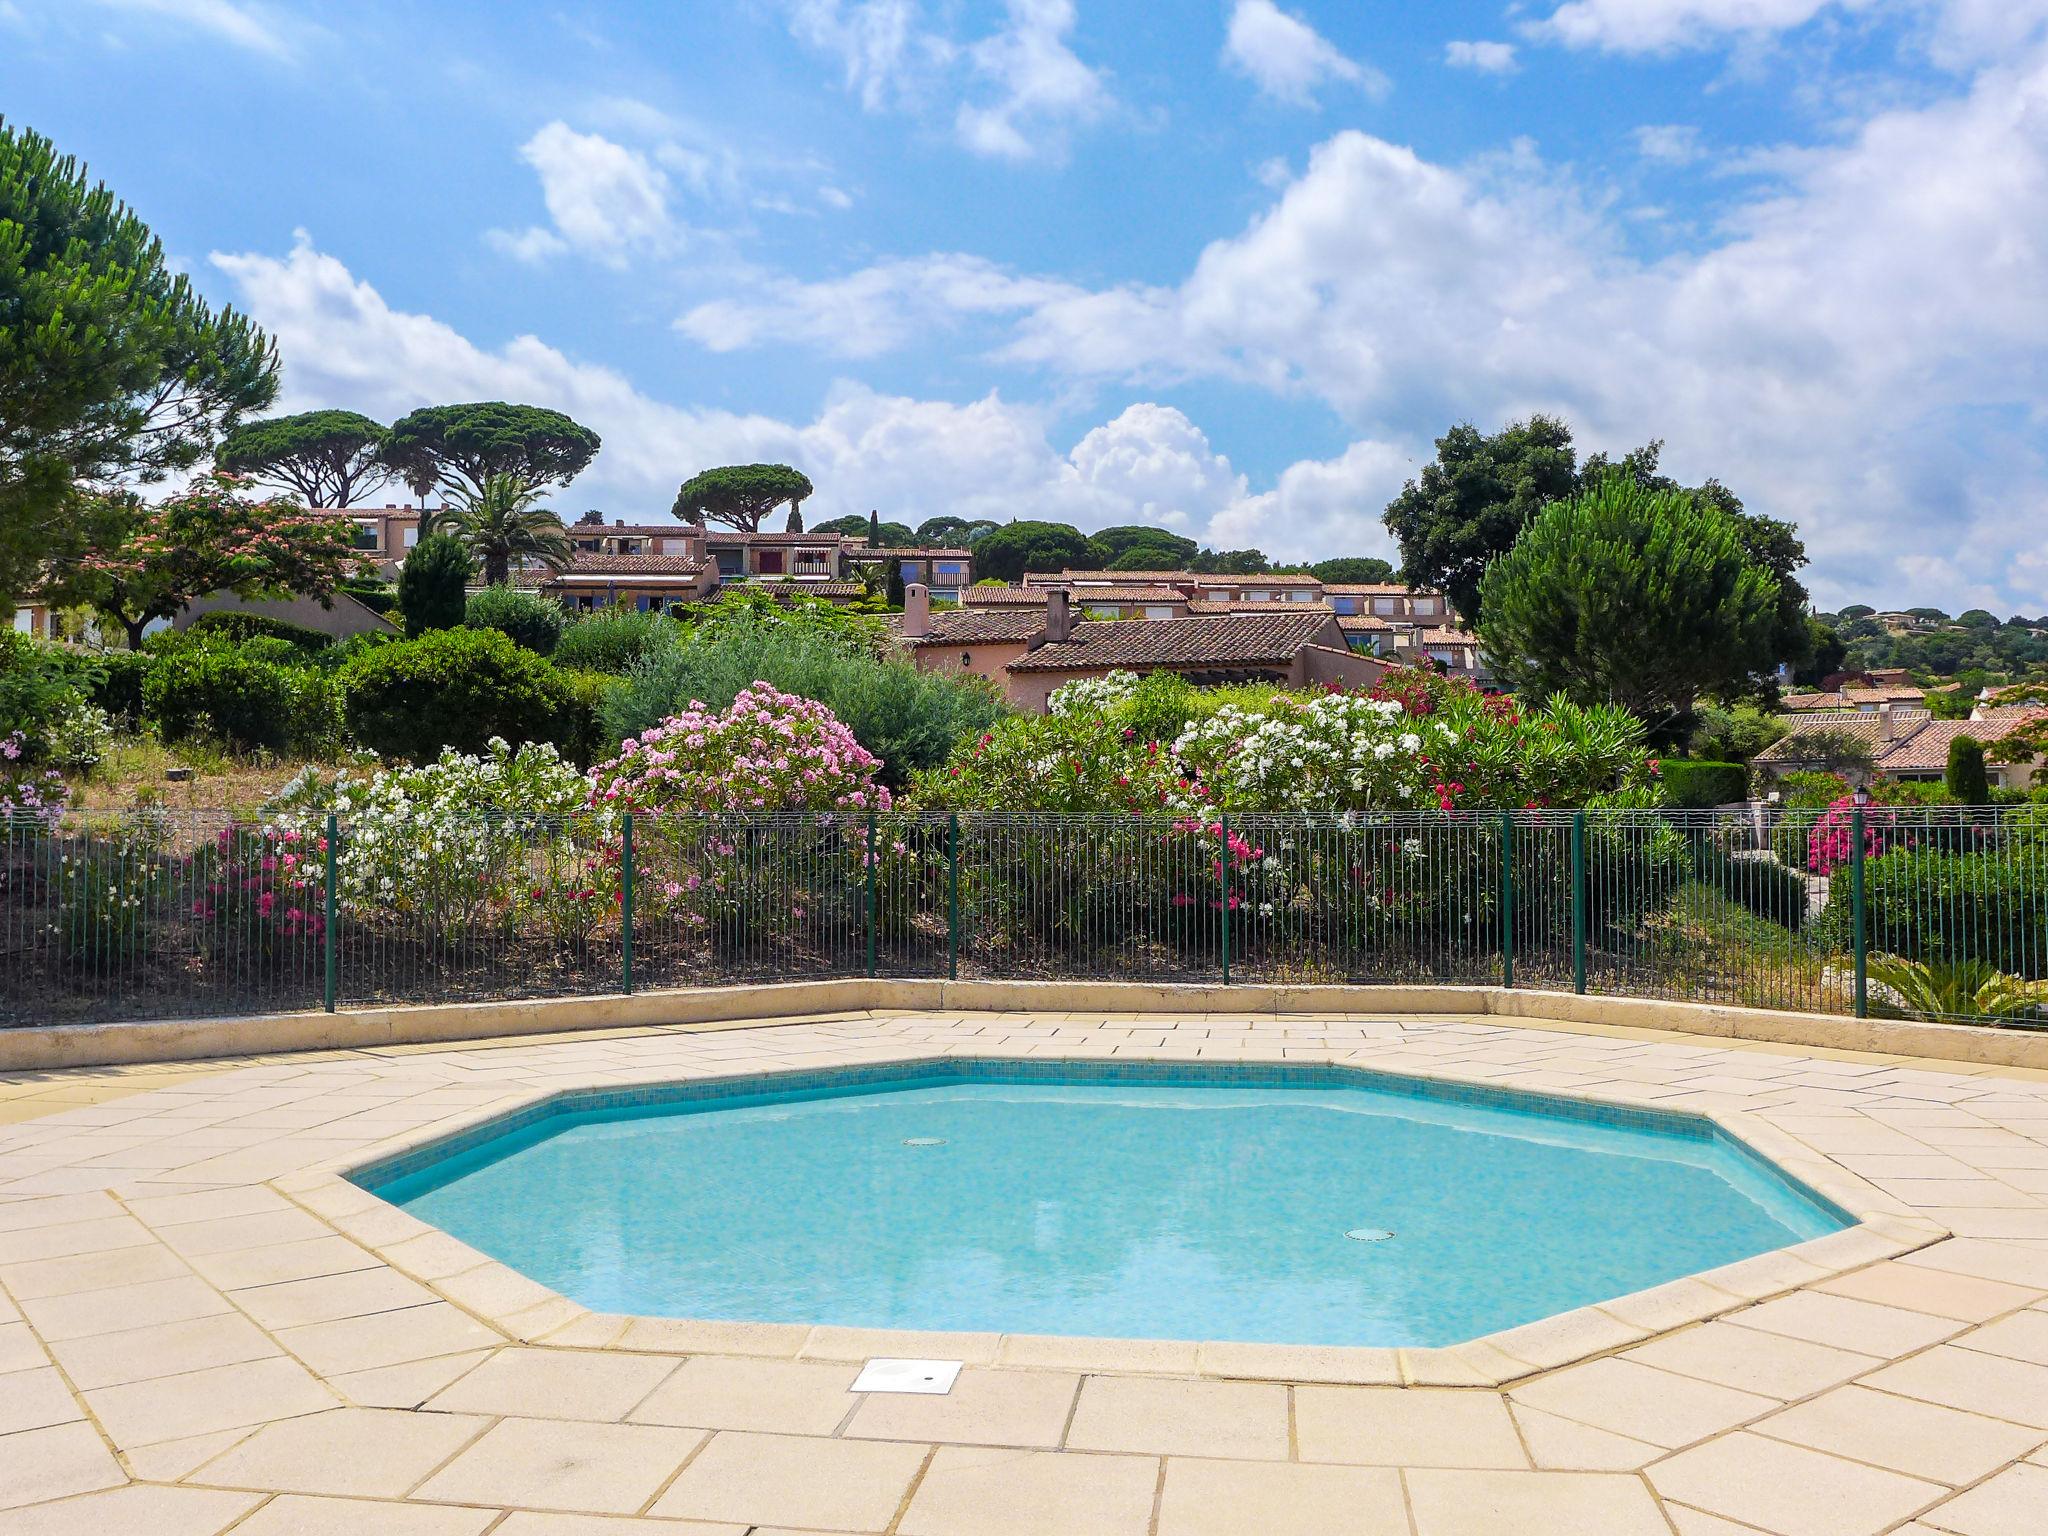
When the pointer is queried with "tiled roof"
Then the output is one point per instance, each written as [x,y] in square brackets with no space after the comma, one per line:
[591,564]
[1927,748]
[1260,579]
[1378,589]
[1054,579]
[783,586]
[1004,597]
[1133,594]
[734,536]
[1449,637]
[1247,605]
[1367,624]
[1225,640]
[1850,698]
[908,552]
[1997,720]
[986,628]
[1912,743]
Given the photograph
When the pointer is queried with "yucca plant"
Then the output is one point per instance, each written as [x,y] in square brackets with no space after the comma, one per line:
[1947,989]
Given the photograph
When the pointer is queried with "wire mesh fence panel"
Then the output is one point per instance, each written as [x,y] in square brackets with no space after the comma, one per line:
[1929,912]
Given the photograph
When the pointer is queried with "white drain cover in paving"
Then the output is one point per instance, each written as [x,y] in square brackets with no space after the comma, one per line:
[933,1376]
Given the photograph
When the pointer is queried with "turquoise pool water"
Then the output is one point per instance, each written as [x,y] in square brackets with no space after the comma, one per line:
[1306,1206]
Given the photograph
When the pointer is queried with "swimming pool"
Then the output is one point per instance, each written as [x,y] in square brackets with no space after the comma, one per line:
[1273,1204]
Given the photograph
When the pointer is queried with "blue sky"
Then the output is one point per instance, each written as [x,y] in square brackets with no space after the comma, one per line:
[1228,265]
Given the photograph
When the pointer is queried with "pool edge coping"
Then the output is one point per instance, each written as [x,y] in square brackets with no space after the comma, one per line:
[529,1312]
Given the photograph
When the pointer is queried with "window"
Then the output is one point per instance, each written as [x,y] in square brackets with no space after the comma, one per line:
[1386,605]
[1161,612]
[1103,610]
[770,562]
[1425,607]
[412,535]
[1300,596]
[912,570]
[366,535]
[1259,597]
[1344,604]
[949,570]
[731,563]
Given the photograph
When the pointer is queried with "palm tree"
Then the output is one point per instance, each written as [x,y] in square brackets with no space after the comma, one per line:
[501,523]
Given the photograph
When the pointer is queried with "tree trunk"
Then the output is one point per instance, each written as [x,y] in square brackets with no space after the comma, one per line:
[497,569]
[135,628]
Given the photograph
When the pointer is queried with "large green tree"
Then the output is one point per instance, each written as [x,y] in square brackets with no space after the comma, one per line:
[134,561]
[433,585]
[740,495]
[329,458]
[1366,569]
[948,530]
[1165,551]
[501,524]
[111,366]
[1470,503]
[1628,595]
[1018,547]
[459,447]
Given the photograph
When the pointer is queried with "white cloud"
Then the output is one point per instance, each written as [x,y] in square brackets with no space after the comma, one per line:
[1486,58]
[1658,26]
[606,201]
[254,27]
[1668,143]
[1286,57]
[344,345]
[870,311]
[1043,88]
[883,45]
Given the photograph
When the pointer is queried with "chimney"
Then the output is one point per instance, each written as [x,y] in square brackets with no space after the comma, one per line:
[917,611]
[1059,618]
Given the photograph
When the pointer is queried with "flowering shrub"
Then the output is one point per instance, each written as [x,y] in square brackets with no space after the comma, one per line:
[105,898]
[444,841]
[25,795]
[264,894]
[1832,842]
[1092,695]
[771,751]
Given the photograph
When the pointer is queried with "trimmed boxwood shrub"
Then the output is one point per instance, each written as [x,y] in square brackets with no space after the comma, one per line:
[530,619]
[451,688]
[245,696]
[234,624]
[1923,905]
[1692,784]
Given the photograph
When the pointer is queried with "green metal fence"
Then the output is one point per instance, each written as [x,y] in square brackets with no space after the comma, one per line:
[1905,912]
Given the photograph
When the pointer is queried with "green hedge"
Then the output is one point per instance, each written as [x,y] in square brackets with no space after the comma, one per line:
[582,737]
[1694,784]
[1950,907]
[244,696]
[119,688]
[530,619]
[237,624]
[452,688]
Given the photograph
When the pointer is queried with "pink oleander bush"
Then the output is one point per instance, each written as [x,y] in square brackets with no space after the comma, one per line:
[770,751]
[1832,842]
[264,892]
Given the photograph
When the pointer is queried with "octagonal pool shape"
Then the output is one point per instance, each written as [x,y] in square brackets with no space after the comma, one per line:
[1256,1203]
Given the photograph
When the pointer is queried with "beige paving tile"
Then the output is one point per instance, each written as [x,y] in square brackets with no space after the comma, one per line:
[563,1464]
[306,1260]
[985,1407]
[1751,1361]
[1697,1522]
[1904,1434]
[407,1385]
[54,1463]
[526,1523]
[1847,1322]
[1405,1426]
[123,1307]
[388,1338]
[19,1350]
[794,1397]
[799,1480]
[1162,1416]
[227,1234]
[980,1491]
[166,1461]
[35,1399]
[1920,1289]
[1978,1383]
[298,1515]
[165,1349]
[1789,1489]
[556,1384]
[198,1402]
[138,1511]
[2023,1336]
[326,1298]
[2014,1503]
[1229,1498]
[1565,1445]
[360,1452]
[71,1239]
[91,1272]
[1480,1503]
[1626,1397]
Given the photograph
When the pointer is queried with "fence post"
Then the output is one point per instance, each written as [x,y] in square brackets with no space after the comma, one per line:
[1856,913]
[1223,865]
[331,920]
[1579,902]
[874,858]
[626,904]
[1507,898]
[953,896]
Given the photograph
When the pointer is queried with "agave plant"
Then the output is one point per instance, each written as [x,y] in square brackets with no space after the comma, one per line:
[1947,989]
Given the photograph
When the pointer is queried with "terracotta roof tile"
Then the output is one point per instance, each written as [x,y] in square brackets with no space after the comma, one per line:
[988,627]
[1004,597]
[589,564]
[1247,605]
[1224,640]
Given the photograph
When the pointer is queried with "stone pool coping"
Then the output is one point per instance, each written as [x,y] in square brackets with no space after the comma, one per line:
[530,1312]
[368,1027]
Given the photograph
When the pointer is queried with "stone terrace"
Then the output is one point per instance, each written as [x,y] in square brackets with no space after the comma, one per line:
[186,1348]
